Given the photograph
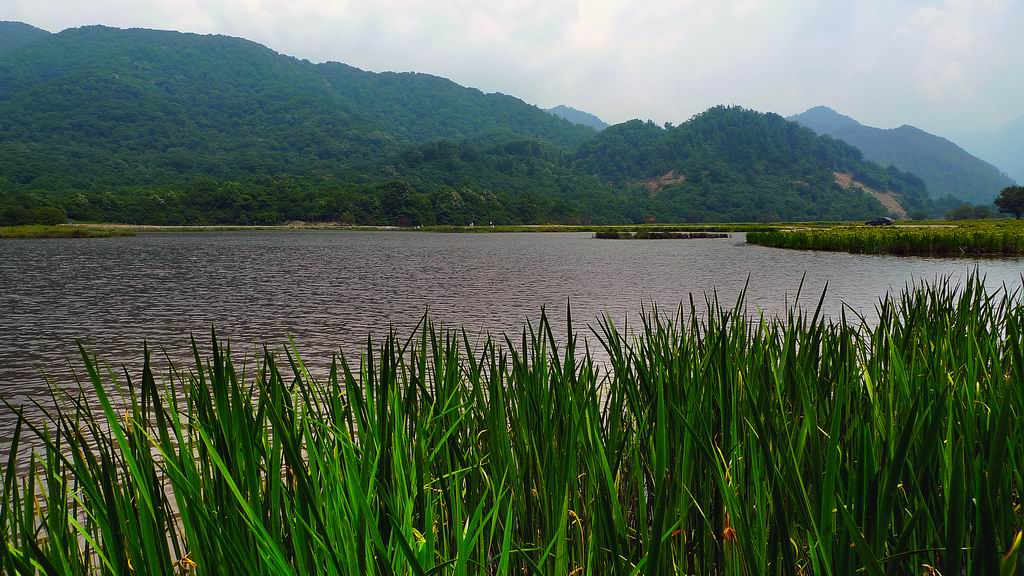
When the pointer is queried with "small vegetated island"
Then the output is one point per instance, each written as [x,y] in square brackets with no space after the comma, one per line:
[656,235]
[1003,238]
[970,238]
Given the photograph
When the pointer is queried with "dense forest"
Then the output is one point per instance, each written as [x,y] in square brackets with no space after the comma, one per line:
[742,165]
[142,126]
[421,108]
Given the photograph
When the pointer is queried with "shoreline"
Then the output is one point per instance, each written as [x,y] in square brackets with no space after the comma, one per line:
[112,229]
[108,229]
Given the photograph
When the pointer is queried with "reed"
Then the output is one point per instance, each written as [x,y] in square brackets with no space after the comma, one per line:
[963,240]
[702,444]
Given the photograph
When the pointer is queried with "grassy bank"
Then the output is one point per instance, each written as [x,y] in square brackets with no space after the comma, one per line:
[1002,238]
[709,446]
[62,231]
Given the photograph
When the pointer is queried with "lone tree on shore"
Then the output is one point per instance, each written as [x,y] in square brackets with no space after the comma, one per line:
[1011,200]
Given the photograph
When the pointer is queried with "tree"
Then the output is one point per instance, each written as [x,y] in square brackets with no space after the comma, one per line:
[404,206]
[15,216]
[49,215]
[1011,200]
[968,212]
[982,212]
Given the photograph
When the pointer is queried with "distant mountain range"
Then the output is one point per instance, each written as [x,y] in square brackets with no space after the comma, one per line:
[578,117]
[166,127]
[946,169]
[1003,147]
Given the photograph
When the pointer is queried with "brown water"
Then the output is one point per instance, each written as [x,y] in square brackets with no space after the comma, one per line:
[331,289]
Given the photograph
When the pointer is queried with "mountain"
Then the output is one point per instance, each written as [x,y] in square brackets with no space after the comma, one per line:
[16,34]
[98,108]
[749,166]
[164,105]
[420,108]
[1003,147]
[145,126]
[1009,145]
[578,117]
[946,169]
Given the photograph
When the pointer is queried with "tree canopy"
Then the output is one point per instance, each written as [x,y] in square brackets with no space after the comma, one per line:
[1011,200]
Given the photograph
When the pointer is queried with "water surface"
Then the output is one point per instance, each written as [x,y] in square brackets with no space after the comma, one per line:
[330,289]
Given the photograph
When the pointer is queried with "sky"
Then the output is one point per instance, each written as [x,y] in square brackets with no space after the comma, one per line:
[948,66]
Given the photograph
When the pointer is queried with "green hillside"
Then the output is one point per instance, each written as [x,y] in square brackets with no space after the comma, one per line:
[946,168]
[743,164]
[99,108]
[422,108]
[164,105]
[145,126]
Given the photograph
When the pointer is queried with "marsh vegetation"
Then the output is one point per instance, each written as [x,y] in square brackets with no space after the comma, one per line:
[977,238]
[62,231]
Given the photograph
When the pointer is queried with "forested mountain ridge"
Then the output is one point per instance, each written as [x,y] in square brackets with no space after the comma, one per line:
[421,108]
[747,164]
[142,125]
[165,127]
[99,108]
[169,105]
[946,169]
[16,34]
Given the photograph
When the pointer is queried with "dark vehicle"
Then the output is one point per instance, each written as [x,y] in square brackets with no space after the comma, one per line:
[883,221]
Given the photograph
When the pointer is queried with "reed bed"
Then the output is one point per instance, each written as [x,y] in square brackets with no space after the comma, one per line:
[704,444]
[963,240]
[61,231]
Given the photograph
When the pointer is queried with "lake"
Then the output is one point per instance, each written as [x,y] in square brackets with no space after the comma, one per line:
[330,289]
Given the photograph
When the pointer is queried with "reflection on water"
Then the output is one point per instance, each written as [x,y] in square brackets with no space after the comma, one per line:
[331,289]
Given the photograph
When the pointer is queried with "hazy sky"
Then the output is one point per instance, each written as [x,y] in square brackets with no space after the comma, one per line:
[945,65]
